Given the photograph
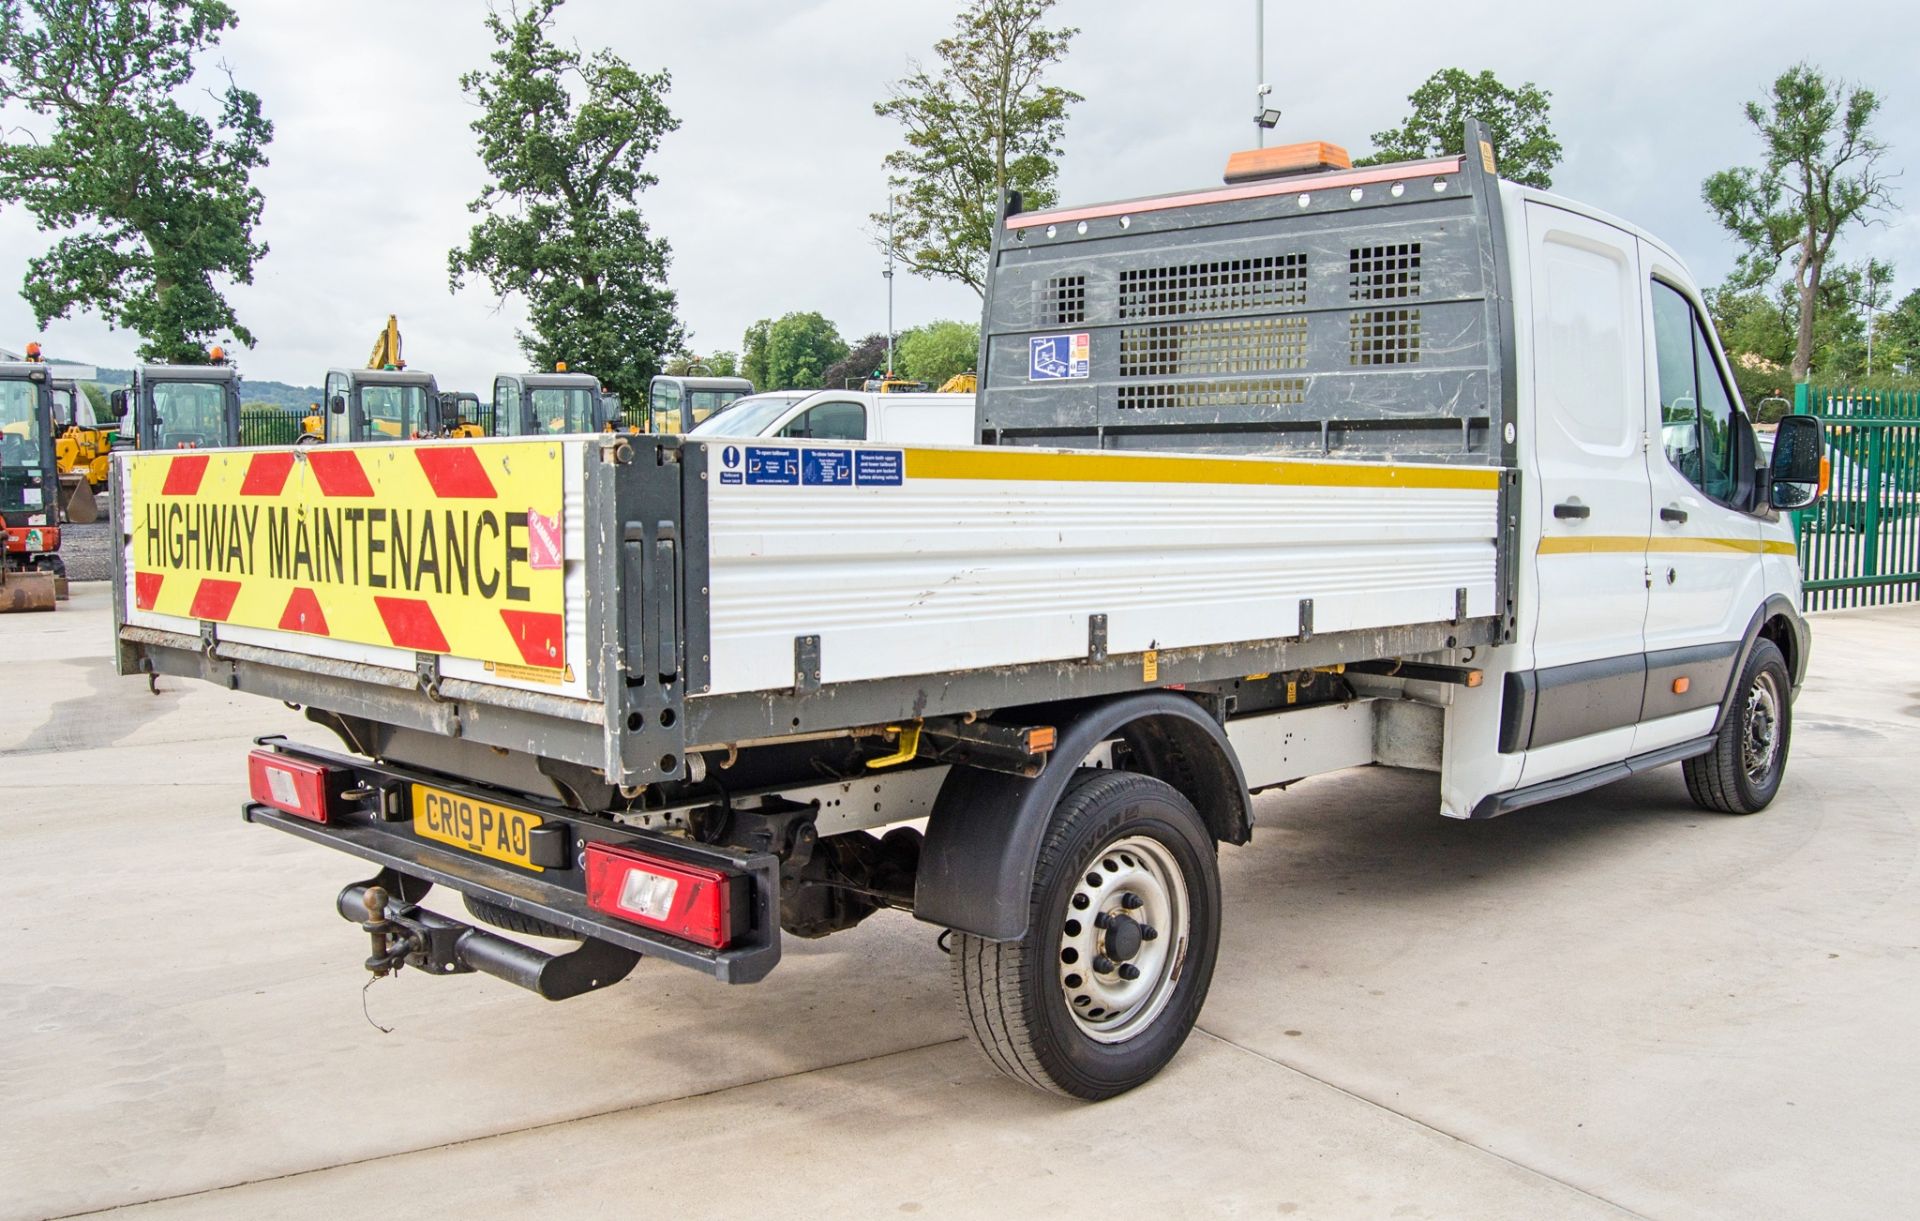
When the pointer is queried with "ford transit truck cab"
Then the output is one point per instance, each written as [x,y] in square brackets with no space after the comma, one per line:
[1322,468]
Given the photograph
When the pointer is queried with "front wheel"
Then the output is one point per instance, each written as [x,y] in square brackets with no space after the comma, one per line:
[1123,928]
[1742,772]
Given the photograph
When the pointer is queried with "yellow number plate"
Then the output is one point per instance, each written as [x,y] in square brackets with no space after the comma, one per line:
[500,832]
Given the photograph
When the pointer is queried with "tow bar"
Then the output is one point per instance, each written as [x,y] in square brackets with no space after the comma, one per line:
[402,933]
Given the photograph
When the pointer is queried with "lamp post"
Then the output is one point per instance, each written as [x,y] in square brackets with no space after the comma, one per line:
[1260,86]
[888,273]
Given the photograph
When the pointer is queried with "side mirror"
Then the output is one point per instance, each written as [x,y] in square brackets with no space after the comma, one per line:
[1794,472]
[118,401]
[339,404]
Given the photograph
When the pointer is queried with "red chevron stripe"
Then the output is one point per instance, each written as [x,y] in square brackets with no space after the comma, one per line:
[214,599]
[146,589]
[184,475]
[541,637]
[267,474]
[455,472]
[411,625]
[339,473]
[303,613]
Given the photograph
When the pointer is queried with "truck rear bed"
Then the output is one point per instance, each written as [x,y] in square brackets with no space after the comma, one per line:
[714,594]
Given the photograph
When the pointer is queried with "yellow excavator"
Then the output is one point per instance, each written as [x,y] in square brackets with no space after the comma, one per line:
[386,401]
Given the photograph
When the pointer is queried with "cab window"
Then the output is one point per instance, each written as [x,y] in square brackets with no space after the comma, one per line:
[337,425]
[189,414]
[506,409]
[1696,409]
[19,423]
[830,422]
[664,404]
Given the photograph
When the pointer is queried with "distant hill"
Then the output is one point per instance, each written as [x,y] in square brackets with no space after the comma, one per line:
[252,390]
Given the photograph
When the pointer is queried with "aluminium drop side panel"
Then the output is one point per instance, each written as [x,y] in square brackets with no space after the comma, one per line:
[987,558]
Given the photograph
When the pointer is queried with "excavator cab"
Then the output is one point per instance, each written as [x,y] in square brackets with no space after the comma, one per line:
[460,415]
[550,404]
[374,405]
[29,488]
[182,406]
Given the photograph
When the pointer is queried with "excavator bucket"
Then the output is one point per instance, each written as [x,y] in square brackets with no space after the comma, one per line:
[77,503]
[27,591]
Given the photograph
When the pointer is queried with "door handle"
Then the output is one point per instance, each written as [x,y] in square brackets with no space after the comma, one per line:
[1676,516]
[1568,510]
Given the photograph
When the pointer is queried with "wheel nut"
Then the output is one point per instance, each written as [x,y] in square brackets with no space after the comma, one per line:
[1103,920]
[1102,965]
[1131,901]
[1129,971]
[1148,932]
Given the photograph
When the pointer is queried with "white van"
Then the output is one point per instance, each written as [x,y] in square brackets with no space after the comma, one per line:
[851,415]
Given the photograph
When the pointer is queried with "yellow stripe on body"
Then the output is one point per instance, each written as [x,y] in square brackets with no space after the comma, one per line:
[1008,463]
[1609,544]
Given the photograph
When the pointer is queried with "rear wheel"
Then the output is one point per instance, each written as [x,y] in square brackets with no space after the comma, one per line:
[1122,932]
[1742,772]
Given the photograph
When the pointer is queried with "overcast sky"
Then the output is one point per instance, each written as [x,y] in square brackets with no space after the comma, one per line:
[765,189]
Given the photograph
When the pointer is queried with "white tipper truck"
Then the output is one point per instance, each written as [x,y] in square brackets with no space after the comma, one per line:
[1324,468]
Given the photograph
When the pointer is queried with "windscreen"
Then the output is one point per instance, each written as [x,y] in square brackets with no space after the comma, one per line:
[19,424]
[394,413]
[749,418]
[558,411]
[188,413]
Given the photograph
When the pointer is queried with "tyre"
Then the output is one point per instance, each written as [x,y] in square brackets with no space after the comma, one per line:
[1742,772]
[516,922]
[1122,932]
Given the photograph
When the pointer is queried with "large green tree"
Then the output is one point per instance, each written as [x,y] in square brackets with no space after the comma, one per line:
[154,198]
[983,123]
[1819,174]
[800,348]
[1517,122]
[935,352]
[565,136]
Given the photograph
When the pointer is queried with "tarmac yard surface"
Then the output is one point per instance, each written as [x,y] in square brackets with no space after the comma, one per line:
[1616,1005]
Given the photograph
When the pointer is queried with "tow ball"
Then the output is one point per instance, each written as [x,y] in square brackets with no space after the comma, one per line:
[403,934]
[398,941]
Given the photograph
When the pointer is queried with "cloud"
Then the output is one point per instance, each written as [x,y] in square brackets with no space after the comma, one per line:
[766,188]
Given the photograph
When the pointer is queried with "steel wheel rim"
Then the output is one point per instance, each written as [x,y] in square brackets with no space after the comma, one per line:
[1760,745]
[1129,908]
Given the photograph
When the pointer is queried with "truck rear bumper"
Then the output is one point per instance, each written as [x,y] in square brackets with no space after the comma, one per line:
[556,895]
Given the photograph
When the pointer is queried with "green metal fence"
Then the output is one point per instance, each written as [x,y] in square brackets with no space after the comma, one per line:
[269,426]
[1861,546]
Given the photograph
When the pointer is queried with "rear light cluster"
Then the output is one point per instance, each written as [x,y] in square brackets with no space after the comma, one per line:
[305,790]
[693,902]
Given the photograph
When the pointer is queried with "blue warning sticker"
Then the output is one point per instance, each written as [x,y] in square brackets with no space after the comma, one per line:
[827,468]
[730,464]
[1055,358]
[879,468]
[769,465]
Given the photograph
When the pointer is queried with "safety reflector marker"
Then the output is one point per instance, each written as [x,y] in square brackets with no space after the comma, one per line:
[267,474]
[303,613]
[541,637]
[214,599]
[455,473]
[184,475]
[339,473]
[411,625]
[146,589]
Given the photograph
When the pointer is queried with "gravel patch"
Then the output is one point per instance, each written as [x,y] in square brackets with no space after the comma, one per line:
[88,550]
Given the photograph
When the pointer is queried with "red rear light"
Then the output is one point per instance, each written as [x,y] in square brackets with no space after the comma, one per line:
[293,785]
[689,901]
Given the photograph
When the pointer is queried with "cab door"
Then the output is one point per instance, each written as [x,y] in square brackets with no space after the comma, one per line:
[508,419]
[1704,558]
[1588,486]
[339,423]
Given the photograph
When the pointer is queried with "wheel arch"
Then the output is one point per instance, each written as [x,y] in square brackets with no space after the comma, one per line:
[1779,621]
[985,830]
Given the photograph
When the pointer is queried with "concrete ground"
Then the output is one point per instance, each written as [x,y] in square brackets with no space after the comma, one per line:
[1614,1005]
